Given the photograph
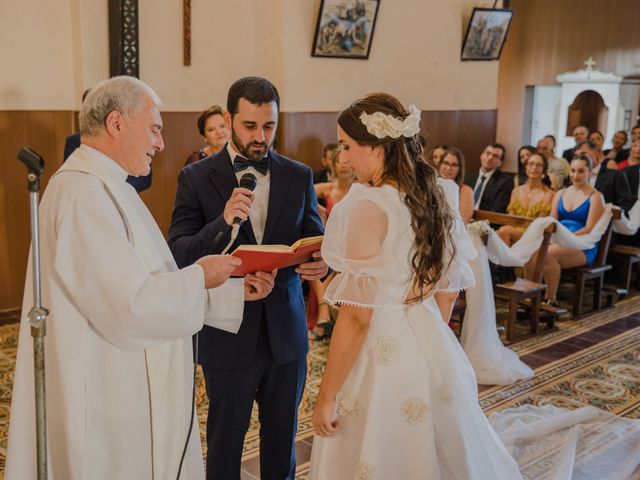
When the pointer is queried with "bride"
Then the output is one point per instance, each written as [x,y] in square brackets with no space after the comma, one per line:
[398,398]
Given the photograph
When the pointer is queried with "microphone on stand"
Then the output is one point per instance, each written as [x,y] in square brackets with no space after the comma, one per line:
[248,181]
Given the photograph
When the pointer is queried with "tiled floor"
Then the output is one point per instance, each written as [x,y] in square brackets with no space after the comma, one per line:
[547,354]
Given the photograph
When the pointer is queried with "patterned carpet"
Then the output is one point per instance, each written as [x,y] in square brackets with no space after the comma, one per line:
[605,374]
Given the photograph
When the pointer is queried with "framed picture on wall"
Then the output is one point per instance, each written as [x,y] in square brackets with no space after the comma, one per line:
[345,28]
[486,33]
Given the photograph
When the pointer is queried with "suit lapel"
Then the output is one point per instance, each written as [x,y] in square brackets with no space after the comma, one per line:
[224,181]
[280,176]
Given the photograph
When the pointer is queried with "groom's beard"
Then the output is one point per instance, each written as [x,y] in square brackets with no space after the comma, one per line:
[246,150]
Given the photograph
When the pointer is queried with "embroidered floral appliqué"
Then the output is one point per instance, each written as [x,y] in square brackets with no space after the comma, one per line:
[386,350]
[348,405]
[364,472]
[414,411]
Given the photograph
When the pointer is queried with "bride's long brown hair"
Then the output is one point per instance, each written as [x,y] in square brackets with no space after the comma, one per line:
[404,164]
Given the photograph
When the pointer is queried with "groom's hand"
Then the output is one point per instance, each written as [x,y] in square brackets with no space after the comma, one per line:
[314,270]
[258,285]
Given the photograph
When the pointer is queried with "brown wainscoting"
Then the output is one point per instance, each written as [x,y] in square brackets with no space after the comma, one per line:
[44,132]
[301,136]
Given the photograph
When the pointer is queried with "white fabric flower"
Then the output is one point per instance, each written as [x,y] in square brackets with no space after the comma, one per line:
[381,125]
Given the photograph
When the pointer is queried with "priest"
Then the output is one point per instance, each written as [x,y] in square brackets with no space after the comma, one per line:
[118,344]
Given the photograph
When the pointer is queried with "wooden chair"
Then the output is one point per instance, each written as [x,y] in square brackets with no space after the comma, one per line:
[594,272]
[522,291]
[628,257]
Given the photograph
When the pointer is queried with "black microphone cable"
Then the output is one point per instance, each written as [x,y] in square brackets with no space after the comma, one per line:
[193,405]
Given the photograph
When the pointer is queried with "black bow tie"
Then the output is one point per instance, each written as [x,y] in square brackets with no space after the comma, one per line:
[241,163]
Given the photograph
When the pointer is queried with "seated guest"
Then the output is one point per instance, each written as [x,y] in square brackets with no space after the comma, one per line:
[578,208]
[326,173]
[618,153]
[215,132]
[635,133]
[452,168]
[532,199]
[523,155]
[334,191]
[319,315]
[632,158]
[491,187]
[597,138]
[437,154]
[611,183]
[580,134]
[558,169]
[632,172]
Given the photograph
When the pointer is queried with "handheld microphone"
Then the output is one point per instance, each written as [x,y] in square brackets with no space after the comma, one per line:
[248,181]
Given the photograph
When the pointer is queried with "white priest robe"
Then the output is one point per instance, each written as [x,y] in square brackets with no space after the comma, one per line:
[118,342]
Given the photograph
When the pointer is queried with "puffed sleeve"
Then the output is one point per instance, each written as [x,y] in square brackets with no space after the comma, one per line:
[352,245]
[458,274]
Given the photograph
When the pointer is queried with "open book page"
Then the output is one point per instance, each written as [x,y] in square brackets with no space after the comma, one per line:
[267,257]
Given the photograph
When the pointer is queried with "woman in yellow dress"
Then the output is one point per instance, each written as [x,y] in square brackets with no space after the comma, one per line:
[531,199]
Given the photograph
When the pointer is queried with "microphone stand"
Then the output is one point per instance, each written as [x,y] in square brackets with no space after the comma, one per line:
[38,314]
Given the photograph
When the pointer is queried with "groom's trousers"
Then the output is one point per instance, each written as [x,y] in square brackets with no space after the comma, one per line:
[277,389]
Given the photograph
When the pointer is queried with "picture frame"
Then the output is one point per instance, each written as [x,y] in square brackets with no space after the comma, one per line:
[345,28]
[486,34]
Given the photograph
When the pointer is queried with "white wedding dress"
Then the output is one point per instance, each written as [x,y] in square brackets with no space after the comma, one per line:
[409,407]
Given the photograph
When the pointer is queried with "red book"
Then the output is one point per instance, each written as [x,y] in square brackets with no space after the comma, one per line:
[267,257]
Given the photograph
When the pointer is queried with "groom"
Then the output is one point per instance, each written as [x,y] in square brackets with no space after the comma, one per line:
[266,360]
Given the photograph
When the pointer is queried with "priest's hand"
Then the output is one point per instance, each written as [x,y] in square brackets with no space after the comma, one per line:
[258,285]
[314,270]
[217,268]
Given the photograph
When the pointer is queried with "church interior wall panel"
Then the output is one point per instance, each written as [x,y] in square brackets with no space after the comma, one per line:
[549,37]
[301,136]
[44,132]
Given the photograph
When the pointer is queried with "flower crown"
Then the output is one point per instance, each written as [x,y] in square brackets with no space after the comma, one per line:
[382,125]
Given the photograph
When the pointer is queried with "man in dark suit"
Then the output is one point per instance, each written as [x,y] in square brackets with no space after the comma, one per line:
[491,187]
[632,173]
[613,185]
[266,360]
[580,134]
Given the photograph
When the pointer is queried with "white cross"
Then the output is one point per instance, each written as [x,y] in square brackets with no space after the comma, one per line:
[590,63]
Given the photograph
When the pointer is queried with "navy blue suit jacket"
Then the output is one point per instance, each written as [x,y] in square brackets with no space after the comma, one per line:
[139,183]
[198,228]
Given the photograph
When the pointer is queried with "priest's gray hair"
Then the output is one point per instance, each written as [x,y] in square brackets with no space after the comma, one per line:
[122,94]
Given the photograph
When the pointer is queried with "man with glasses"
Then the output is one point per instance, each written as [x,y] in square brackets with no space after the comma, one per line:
[491,187]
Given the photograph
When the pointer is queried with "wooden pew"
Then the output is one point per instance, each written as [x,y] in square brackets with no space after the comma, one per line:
[629,257]
[594,272]
[523,291]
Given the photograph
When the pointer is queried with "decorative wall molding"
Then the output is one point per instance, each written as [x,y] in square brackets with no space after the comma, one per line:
[124,54]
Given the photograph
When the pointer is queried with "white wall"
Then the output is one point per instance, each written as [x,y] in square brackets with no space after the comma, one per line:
[51,51]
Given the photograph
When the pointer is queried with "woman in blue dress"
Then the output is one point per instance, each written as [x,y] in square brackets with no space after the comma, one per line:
[578,208]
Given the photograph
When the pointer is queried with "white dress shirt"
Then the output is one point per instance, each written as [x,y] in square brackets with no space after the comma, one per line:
[260,205]
[594,176]
[486,176]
